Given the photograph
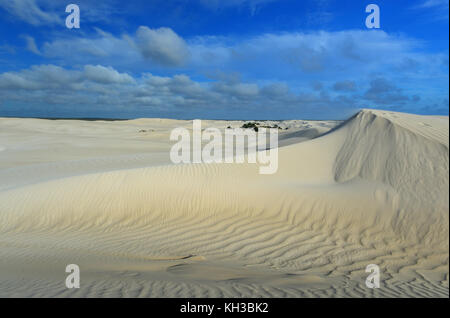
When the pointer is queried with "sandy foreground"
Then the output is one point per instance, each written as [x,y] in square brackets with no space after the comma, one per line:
[105,196]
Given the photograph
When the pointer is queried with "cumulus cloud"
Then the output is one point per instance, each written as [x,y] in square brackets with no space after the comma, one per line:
[105,75]
[29,11]
[286,72]
[162,46]
[285,56]
[52,77]
[290,54]
[107,90]
[13,81]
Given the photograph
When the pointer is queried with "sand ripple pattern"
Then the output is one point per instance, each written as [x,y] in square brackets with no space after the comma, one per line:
[372,191]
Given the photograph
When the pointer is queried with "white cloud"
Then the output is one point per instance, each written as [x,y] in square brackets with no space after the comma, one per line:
[439,8]
[106,75]
[435,3]
[290,54]
[52,77]
[107,90]
[159,47]
[31,45]
[284,64]
[15,81]
[284,56]
[29,11]
[162,46]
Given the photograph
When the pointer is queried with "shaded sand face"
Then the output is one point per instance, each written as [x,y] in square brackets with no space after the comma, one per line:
[104,195]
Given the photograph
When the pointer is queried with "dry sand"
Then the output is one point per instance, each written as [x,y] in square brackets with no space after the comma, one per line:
[103,195]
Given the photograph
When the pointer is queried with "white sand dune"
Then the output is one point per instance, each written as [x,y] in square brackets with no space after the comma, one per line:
[374,190]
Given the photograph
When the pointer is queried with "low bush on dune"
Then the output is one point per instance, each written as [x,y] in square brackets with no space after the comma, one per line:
[255,126]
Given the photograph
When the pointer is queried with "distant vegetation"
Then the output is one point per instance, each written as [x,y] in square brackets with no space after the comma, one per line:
[255,126]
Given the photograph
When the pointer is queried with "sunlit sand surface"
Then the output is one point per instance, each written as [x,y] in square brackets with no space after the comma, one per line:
[104,195]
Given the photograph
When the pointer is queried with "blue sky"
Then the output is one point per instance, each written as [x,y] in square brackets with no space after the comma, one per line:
[230,59]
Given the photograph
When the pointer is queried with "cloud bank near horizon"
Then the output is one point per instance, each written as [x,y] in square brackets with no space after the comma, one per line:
[154,71]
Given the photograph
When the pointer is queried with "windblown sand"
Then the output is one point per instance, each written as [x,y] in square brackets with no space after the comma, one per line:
[104,195]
